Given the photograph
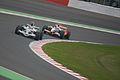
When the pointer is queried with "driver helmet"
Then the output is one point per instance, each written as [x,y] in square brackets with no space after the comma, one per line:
[32,23]
[57,25]
[27,25]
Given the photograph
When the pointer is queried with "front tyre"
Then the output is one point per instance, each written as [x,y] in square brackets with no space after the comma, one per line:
[17,30]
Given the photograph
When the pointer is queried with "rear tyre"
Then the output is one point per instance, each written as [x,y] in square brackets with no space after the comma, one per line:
[39,35]
[68,35]
[43,29]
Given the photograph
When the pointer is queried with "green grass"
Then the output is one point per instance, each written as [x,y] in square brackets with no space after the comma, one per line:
[96,62]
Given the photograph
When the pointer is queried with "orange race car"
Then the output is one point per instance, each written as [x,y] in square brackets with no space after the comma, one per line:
[57,30]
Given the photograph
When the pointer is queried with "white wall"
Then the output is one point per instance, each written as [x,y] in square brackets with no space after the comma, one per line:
[93,7]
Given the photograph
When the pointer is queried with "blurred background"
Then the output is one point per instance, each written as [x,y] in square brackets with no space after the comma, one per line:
[113,3]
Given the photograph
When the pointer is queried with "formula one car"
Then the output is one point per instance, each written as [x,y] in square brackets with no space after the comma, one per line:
[60,31]
[29,31]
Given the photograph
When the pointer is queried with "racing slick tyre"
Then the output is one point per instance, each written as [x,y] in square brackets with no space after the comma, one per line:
[43,29]
[61,34]
[68,36]
[39,35]
[18,28]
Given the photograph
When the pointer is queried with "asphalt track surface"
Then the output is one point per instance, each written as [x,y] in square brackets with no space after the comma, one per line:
[40,7]
[16,55]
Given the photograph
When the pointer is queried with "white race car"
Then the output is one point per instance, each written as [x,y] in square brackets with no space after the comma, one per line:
[29,31]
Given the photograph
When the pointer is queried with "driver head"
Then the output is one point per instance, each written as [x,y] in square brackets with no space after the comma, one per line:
[57,25]
[32,23]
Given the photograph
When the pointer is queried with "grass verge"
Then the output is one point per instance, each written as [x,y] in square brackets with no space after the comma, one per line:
[96,62]
[8,74]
